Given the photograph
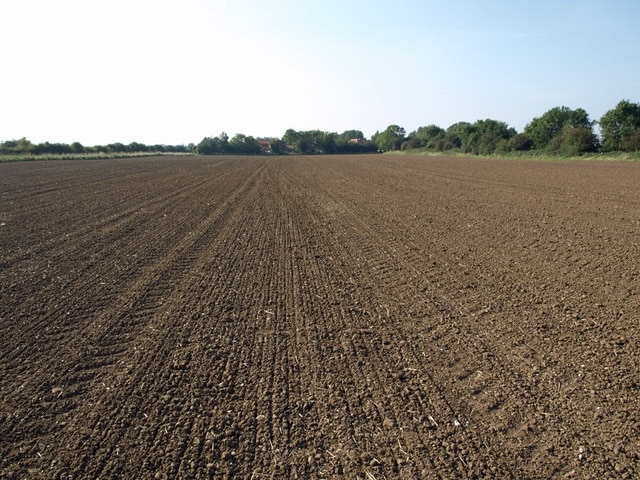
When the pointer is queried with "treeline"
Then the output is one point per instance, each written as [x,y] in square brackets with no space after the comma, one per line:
[26,147]
[559,131]
[301,142]
[294,142]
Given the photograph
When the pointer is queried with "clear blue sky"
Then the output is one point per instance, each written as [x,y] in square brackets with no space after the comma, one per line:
[175,71]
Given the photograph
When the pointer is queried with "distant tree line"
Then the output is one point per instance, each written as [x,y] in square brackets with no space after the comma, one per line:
[26,147]
[560,130]
[300,142]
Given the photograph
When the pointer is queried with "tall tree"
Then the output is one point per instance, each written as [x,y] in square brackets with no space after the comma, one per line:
[620,127]
[17,146]
[244,145]
[278,147]
[291,137]
[572,141]
[137,147]
[350,135]
[77,147]
[213,145]
[391,139]
[328,142]
[430,134]
[486,135]
[458,136]
[542,130]
[425,137]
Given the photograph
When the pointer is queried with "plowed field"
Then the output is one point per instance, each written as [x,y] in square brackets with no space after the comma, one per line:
[370,317]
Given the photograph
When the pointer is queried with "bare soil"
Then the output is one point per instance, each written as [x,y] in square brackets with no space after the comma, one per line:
[319,317]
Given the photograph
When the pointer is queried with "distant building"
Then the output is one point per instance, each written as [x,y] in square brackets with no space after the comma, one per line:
[265,145]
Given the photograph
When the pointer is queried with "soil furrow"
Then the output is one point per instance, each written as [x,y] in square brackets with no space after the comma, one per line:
[362,317]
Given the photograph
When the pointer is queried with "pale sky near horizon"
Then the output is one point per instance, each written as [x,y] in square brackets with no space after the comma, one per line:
[174,72]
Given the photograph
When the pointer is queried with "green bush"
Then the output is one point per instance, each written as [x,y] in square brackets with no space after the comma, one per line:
[572,141]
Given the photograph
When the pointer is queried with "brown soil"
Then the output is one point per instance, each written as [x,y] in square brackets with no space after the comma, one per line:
[319,317]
